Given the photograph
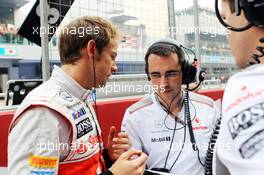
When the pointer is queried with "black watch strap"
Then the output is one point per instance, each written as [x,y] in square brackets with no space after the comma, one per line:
[107,172]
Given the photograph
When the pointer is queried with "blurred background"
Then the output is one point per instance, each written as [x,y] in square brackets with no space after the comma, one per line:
[191,22]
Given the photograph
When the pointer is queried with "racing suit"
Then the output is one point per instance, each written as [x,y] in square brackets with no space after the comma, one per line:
[240,144]
[150,129]
[55,131]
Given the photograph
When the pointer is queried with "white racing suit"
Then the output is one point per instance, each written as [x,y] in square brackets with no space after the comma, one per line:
[55,131]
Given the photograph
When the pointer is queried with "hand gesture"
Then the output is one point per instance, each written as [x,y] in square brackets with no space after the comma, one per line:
[117,144]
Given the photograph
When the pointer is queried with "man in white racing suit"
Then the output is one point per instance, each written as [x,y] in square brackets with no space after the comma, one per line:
[55,129]
[240,144]
[157,124]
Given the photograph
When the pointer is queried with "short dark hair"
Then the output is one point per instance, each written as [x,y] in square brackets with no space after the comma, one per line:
[72,41]
[163,49]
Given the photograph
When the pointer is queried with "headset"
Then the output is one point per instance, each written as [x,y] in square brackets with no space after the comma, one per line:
[188,69]
[253,10]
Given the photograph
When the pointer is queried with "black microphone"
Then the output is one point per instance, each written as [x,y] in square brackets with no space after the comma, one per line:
[201,77]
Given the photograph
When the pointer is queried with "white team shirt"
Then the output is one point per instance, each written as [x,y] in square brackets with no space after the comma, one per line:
[240,144]
[147,126]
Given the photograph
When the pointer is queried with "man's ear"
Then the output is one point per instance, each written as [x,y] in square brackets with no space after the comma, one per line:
[91,48]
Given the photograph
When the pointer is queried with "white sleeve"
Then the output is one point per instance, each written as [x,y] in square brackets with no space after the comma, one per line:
[33,144]
[218,167]
[129,127]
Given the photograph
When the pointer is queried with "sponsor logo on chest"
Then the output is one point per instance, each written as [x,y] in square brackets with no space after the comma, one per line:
[65,95]
[83,127]
[160,139]
[77,114]
[198,125]
[74,105]
[253,145]
[245,119]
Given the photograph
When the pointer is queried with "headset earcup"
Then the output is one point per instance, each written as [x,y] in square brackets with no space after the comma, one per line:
[188,73]
[254,11]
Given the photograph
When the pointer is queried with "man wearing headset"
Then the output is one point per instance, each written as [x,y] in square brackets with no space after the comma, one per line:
[240,144]
[157,124]
[55,130]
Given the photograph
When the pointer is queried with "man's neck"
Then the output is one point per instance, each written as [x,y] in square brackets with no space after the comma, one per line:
[75,72]
[175,106]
